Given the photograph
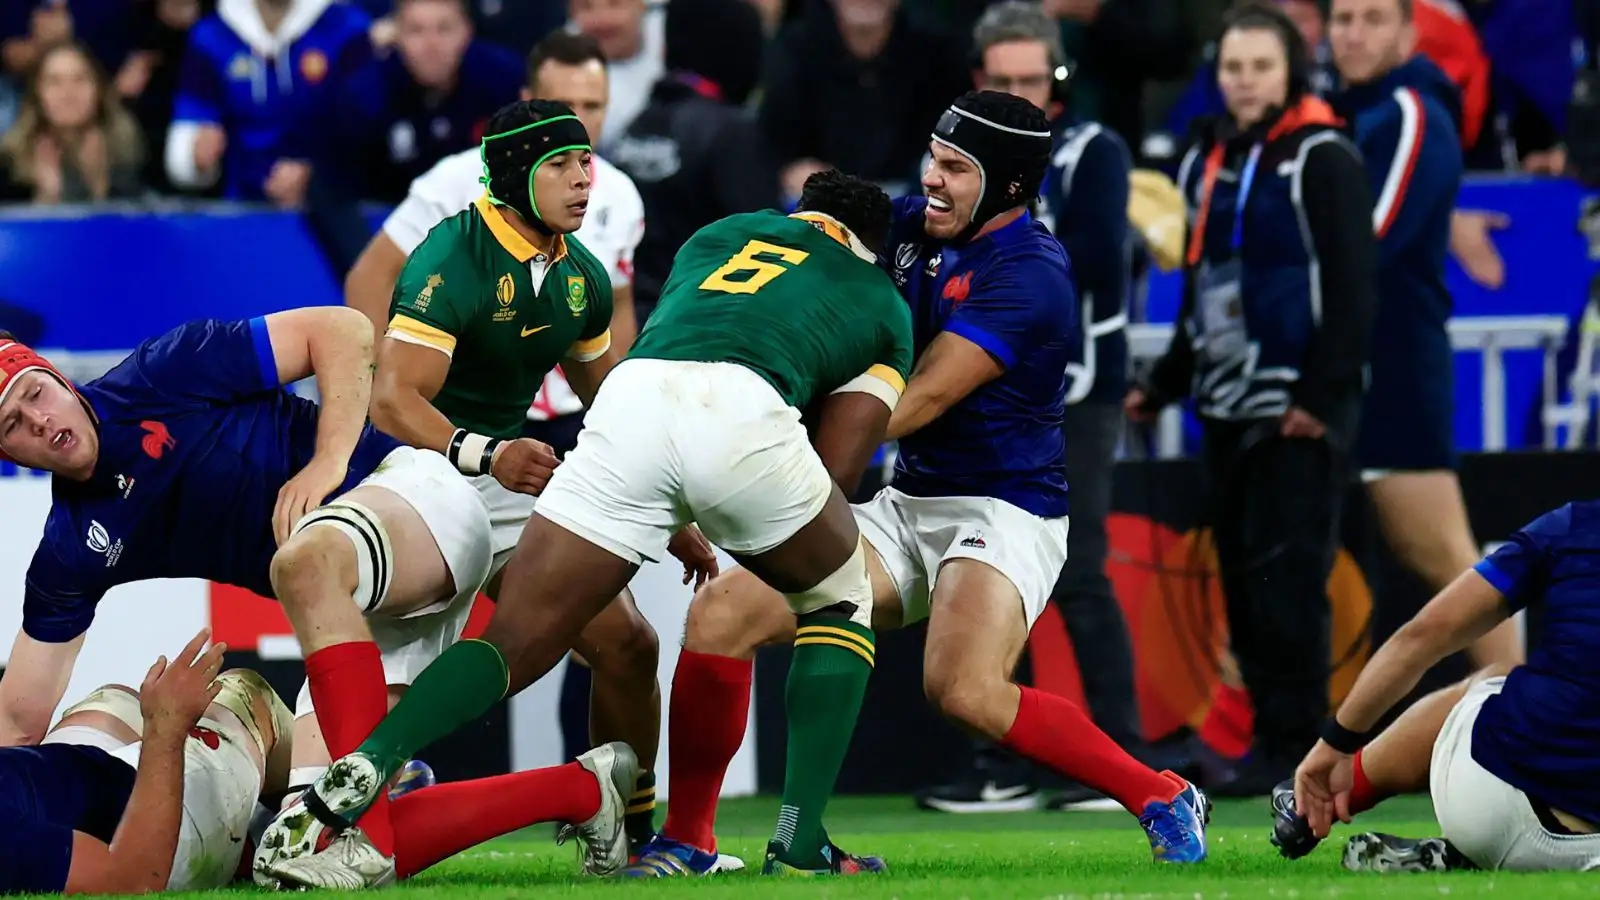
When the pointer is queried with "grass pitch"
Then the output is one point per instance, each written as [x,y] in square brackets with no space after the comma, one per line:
[1027,856]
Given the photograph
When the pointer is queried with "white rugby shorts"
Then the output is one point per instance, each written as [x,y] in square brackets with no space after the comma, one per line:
[915,536]
[458,518]
[667,443]
[509,513]
[220,787]
[1490,822]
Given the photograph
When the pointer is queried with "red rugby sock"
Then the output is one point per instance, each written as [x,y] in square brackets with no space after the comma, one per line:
[351,697]
[438,822]
[1363,796]
[705,726]
[1055,732]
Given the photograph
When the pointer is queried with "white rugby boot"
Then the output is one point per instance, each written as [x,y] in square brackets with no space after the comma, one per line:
[604,840]
[350,785]
[350,863]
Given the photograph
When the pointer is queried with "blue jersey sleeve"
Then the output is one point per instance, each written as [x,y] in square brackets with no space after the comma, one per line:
[201,80]
[58,599]
[1413,160]
[209,360]
[34,856]
[1519,568]
[1014,306]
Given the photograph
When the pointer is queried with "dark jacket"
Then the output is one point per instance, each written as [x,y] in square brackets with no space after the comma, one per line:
[1405,127]
[1294,330]
[1084,200]
[694,160]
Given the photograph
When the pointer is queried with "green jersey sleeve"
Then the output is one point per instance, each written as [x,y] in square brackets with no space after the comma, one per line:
[594,298]
[886,377]
[432,300]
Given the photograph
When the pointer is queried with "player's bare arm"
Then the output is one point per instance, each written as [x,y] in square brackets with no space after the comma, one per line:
[849,432]
[140,856]
[335,345]
[35,681]
[1458,615]
[624,322]
[370,284]
[951,368]
[585,371]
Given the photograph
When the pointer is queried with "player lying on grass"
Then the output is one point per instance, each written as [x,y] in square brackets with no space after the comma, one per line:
[763,315]
[1512,759]
[137,791]
[970,536]
[497,295]
[189,460]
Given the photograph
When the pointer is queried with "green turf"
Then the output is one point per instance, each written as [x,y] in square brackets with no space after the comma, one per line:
[1030,856]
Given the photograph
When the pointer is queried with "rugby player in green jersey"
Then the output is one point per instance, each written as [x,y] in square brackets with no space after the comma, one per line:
[764,315]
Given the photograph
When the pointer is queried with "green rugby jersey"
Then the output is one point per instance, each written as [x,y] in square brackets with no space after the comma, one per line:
[787,297]
[505,313]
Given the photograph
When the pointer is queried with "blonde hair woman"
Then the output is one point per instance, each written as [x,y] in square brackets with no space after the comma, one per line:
[73,141]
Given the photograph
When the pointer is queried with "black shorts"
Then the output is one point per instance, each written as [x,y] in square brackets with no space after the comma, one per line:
[1408,415]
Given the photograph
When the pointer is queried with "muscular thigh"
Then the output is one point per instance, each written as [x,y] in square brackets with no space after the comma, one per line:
[977,627]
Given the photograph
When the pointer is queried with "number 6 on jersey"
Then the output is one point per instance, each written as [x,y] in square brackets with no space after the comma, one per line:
[761,272]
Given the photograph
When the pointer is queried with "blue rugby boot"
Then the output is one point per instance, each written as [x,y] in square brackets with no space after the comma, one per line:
[1177,829]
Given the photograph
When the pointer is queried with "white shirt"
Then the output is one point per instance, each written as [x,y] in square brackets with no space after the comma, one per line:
[611,231]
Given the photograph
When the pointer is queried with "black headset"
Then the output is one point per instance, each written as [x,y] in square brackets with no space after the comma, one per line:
[1261,15]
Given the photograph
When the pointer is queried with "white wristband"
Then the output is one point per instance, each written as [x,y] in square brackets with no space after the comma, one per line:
[470,459]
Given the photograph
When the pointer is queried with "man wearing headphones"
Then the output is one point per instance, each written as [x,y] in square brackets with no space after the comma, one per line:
[1084,200]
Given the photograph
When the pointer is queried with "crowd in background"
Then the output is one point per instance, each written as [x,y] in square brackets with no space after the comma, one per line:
[262,99]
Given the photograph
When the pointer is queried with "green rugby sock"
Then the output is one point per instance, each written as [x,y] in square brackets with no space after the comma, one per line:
[827,679]
[462,684]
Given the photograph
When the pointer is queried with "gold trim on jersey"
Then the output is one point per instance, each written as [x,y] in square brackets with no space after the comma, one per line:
[888,374]
[512,240]
[412,331]
[835,229]
[592,349]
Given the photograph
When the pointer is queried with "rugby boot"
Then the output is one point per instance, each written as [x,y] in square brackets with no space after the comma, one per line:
[838,863]
[349,863]
[1386,853]
[1177,829]
[664,857]
[1291,833]
[604,837]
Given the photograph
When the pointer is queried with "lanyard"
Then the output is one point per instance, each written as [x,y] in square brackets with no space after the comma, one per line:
[1208,186]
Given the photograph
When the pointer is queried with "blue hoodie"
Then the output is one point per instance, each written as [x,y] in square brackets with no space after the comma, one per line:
[1406,128]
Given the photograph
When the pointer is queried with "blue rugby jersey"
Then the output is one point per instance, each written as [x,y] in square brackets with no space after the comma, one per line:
[267,94]
[46,794]
[1011,293]
[196,439]
[1541,733]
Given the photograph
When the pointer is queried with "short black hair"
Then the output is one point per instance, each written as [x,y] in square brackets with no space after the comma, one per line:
[6,335]
[858,205]
[564,47]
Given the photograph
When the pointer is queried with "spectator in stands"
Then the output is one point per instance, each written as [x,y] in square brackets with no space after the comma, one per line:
[1122,46]
[694,154]
[254,81]
[156,63]
[425,101]
[1272,343]
[514,25]
[1530,48]
[632,35]
[853,84]
[73,142]
[108,28]
[1085,201]
[1403,110]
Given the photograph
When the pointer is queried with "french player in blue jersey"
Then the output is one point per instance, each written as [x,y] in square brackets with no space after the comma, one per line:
[147,791]
[163,789]
[189,459]
[1510,755]
[970,536]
